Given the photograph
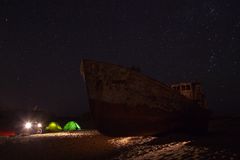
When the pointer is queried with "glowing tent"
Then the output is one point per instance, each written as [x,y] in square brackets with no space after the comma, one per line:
[71,126]
[53,127]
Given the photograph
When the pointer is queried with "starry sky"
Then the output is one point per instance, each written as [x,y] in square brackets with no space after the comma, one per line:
[42,43]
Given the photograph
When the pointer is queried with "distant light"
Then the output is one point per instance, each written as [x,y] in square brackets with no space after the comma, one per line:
[28,125]
[39,125]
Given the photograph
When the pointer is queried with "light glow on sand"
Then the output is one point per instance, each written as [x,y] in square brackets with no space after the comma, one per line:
[160,151]
[66,134]
[124,141]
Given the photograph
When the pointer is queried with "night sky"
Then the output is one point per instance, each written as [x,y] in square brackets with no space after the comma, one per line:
[42,43]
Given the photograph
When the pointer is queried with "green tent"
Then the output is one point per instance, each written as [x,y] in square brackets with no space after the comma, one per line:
[53,127]
[71,126]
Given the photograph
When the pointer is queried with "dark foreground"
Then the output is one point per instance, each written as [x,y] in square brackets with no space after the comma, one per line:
[222,142]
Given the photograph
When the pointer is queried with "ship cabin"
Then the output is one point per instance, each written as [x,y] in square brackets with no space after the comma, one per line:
[191,90]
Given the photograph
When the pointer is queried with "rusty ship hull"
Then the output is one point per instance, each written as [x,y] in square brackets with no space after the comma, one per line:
[125,102]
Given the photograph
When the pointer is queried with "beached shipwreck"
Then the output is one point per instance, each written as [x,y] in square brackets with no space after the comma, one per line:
[125,102]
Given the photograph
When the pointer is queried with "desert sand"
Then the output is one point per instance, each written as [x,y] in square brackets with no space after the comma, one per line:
[222,142]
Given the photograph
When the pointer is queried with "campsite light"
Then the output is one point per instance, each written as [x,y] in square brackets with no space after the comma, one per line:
[39,125]
[28,125]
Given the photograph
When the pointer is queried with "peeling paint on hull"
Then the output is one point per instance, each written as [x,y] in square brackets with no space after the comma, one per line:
[125,102]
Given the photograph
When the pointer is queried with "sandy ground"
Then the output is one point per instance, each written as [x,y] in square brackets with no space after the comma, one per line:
[222,142]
